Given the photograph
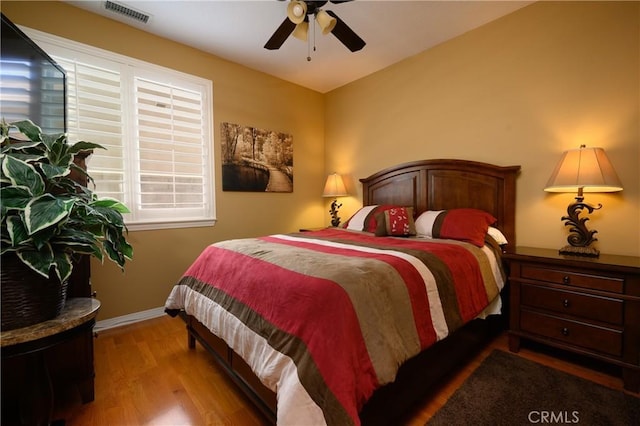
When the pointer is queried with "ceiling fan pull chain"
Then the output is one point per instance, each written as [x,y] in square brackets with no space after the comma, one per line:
[309,41]
[314,33]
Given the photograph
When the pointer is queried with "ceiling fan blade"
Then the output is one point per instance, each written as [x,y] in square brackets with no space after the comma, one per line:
[282,33]
[346,34]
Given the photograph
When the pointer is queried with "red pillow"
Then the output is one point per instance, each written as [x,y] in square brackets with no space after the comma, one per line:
[468,225]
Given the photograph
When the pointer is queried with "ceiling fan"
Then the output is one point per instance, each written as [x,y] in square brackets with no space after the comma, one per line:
[297,23]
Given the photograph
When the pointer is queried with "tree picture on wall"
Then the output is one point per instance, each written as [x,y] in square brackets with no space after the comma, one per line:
[256,160]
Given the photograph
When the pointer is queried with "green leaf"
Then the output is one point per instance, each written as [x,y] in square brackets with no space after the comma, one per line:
[28,128]
[17,231]
[52,142]
[46,211]
[113,253]
[19,146]
[88,245]
[77,237]
[63,265]
[84,146]
[21,173]
[127,249]
[44,236]
[52,171]
[111,203]
[4,130]
[14,198]
[38,260]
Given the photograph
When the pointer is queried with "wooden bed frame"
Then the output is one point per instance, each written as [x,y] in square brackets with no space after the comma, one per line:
[425,185]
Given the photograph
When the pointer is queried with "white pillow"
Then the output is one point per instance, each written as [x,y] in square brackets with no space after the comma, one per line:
[497,235]
[424,223]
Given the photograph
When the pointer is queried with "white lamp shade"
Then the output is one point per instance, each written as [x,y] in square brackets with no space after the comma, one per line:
[334,187]
[301,31]
[297,11]
[584,170]
[326,21]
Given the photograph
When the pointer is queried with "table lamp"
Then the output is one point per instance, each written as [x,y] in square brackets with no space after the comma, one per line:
[582,170]
[334,187]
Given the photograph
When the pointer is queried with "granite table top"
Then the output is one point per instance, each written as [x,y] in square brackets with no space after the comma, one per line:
[77,311]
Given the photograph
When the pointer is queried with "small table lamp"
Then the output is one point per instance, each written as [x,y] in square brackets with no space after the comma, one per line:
[582,170]
[334,187]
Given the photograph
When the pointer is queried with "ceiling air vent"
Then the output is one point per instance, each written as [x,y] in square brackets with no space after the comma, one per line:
[126,11]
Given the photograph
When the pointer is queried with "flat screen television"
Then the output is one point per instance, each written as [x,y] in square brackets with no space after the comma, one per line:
[32,84]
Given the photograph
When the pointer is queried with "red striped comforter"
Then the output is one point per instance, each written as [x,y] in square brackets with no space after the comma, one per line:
[324,318]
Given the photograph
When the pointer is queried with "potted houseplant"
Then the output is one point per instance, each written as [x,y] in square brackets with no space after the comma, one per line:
[48,221]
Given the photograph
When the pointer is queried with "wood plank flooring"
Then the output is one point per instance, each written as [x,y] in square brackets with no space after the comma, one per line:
[145,375]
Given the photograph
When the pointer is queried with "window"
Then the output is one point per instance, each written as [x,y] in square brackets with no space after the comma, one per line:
[156,126]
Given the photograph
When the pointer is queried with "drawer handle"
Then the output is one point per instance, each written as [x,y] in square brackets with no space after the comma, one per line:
[565,303]
[566,279]
[565,331]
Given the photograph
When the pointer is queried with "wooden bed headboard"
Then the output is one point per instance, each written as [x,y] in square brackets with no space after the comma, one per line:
[448,184]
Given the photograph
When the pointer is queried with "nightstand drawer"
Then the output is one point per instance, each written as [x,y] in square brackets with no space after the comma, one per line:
[604,340]
[557,276]
[577,304]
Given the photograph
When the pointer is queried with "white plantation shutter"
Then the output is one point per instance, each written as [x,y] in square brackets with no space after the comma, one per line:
[95,113]
[156,126]
[172,148]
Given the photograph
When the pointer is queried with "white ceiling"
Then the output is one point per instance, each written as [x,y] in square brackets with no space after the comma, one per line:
[237,30]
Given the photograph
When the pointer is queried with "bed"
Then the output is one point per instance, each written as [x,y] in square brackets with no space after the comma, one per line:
[353,325]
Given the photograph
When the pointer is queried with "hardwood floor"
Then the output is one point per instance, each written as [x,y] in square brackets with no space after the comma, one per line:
[145,375]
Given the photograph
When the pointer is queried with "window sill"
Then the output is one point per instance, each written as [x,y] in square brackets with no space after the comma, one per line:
[149,226]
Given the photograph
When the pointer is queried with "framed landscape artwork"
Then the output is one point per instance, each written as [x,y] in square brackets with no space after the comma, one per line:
[256,160]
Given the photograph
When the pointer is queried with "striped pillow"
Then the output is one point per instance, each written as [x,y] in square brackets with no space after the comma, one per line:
[366,218]
[468,225]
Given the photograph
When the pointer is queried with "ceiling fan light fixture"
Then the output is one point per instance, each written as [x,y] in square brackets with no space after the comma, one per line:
[327,22]
[300,11]
[301,32]
[297,11]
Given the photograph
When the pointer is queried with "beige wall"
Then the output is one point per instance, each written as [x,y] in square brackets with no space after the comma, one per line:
[517,91]
[240,96]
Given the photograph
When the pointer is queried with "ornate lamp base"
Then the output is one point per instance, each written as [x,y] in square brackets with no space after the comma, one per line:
[580,238]
[335,219]
[580,251]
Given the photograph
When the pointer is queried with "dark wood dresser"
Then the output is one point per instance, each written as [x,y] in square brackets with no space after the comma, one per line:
[589,306]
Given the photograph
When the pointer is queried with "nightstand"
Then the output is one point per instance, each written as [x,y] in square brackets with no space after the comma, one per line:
[589,306]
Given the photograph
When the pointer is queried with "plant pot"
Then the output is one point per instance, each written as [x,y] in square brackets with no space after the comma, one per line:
[27,297]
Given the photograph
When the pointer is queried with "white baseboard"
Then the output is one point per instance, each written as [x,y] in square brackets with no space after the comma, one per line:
[129,319]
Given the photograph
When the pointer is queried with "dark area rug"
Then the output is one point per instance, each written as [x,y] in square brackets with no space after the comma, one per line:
[508,390]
